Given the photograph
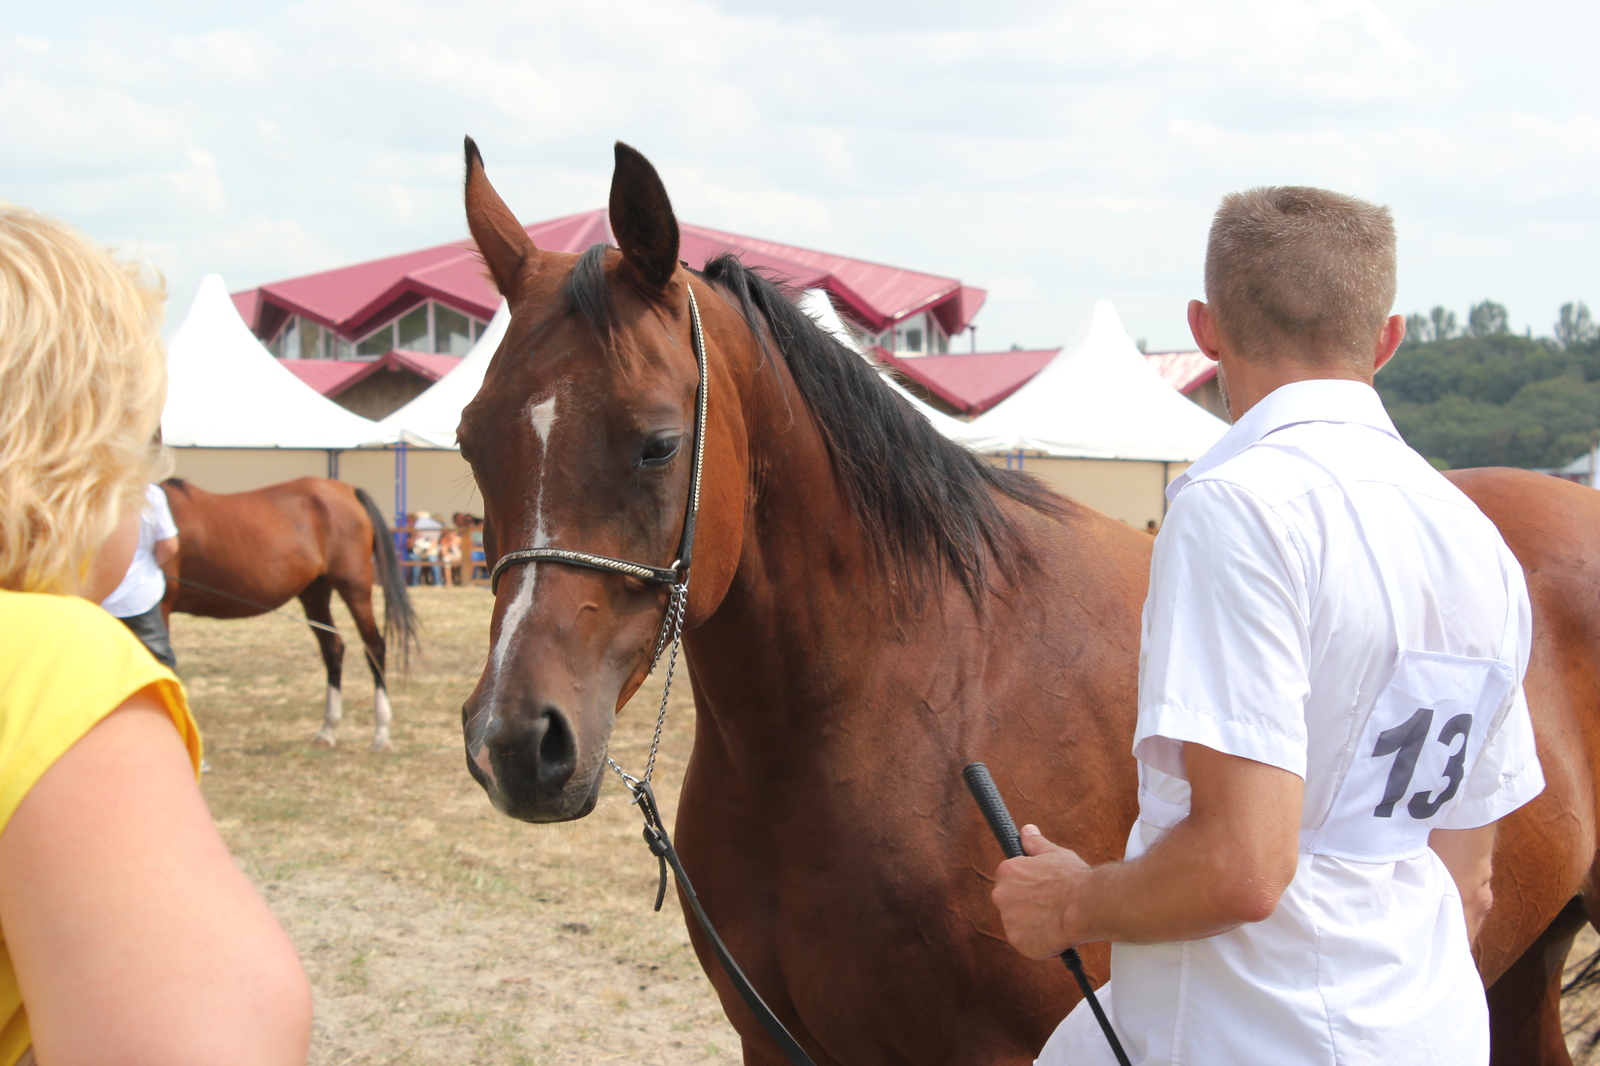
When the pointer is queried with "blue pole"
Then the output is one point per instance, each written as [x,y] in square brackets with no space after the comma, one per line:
[400,508]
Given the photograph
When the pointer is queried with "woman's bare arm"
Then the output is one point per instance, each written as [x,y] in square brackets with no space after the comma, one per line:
[135,937]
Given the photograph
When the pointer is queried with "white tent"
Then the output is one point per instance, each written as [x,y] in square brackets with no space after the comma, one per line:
[432,417]
[1099,400]
[224,390]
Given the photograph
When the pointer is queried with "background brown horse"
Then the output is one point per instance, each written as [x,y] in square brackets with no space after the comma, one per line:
[872,607]
[245,553]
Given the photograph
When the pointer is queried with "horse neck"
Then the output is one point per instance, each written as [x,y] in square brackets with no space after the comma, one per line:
[794,637]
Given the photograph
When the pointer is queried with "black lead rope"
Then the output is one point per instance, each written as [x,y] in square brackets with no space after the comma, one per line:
[983,789]
[655,835]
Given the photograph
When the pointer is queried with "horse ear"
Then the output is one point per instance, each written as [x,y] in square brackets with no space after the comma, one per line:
[505,246]
[642,219]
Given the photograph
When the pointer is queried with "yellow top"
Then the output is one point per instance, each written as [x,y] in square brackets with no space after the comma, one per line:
[64,665]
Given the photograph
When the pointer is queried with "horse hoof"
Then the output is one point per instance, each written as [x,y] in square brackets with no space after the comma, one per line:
[322,740]
[381,745]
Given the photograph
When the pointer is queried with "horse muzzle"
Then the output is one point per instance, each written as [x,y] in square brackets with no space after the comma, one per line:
[528,758]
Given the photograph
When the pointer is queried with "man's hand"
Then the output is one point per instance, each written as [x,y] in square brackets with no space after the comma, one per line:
[1035,894]
[1224,865]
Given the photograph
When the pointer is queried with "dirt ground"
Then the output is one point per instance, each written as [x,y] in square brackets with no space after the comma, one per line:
[434,929]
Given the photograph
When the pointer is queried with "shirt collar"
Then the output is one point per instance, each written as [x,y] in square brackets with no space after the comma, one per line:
[1320,400]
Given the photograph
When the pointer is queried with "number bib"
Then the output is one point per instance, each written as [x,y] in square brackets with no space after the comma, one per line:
[1419,744]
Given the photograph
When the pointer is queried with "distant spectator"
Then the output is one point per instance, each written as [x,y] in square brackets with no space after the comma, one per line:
[137,601]
[1152,527]
[450,555]
[425,545]
[475,556]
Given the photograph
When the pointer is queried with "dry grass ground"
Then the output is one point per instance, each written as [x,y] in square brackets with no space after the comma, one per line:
[434,929]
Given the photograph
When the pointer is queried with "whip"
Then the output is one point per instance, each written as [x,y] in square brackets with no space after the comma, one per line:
[983,789]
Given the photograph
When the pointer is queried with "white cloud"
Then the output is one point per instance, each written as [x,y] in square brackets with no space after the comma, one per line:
[1054,152]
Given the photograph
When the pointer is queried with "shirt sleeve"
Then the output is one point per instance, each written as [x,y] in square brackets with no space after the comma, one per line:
[160,513]
[1225,645]
[70,667]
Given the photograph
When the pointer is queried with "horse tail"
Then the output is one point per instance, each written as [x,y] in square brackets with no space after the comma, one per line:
[399,617]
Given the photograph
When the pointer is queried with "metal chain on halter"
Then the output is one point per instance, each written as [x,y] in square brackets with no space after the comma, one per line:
[678,597]
[677,603]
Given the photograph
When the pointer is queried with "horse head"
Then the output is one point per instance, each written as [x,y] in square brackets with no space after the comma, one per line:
[582,438]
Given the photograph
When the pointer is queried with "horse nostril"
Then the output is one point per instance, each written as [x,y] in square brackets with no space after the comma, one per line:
[558,753]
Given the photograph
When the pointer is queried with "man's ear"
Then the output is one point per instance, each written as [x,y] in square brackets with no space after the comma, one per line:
[1389,339]
[506,248]
[642,219]
[1204,327]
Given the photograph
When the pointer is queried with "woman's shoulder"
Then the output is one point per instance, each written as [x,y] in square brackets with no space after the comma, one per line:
[64,665]
[66,642]
[35,617]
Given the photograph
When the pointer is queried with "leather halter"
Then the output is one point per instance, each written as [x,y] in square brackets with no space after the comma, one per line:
[677,574]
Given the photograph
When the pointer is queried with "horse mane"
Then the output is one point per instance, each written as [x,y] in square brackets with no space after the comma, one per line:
[180,484]
[928,506]
[587,295]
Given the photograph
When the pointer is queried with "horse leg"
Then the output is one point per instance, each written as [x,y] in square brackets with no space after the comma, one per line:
[359,601]
[1525,1003]
[317,600]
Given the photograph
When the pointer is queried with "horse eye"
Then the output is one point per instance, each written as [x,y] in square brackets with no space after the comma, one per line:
[660,449]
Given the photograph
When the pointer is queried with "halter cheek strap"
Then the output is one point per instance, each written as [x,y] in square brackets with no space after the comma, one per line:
[677,574]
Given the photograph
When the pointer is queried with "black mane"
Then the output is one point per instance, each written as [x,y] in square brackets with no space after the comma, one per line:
[927,505]
[587,295]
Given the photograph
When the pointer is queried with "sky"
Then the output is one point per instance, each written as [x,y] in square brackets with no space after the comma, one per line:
[1053,153]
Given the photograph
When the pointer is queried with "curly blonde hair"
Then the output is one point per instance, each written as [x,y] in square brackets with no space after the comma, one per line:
[83,376]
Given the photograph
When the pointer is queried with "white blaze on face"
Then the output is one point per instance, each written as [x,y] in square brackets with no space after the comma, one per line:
[543,417]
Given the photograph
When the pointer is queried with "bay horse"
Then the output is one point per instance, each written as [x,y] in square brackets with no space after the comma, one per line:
[241,554]
[871,608]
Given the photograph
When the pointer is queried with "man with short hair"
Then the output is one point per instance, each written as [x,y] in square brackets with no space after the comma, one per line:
[1331,716]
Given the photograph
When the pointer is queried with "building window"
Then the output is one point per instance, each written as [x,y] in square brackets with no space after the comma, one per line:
[414,331]
[376,343]
[301,338]
[452,331]
[916,335]
[428,327]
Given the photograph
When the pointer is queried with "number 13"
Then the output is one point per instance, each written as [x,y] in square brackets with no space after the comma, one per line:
[1405,743]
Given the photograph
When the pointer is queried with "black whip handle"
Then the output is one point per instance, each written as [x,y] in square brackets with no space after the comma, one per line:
[983,789]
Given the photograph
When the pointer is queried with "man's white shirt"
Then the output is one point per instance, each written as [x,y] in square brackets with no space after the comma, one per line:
[1322,600]
[144,584]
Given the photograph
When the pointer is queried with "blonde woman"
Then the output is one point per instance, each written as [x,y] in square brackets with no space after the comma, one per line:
[127,933]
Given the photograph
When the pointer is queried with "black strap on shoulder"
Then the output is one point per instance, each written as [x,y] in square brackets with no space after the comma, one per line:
[655,835]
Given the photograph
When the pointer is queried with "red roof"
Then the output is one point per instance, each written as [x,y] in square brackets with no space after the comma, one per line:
[332,376]
[972,383]
[352,298]
[328,376]
[1183,370]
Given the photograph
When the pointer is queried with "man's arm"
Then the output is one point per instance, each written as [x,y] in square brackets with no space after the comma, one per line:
[1224,865]
[1469,856]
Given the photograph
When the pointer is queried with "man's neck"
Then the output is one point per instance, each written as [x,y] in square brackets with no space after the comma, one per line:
[1246,383]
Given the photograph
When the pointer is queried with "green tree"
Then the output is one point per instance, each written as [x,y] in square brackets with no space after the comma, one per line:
[1416,330]
[1487,319]
[1574,327]
[1444,324]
